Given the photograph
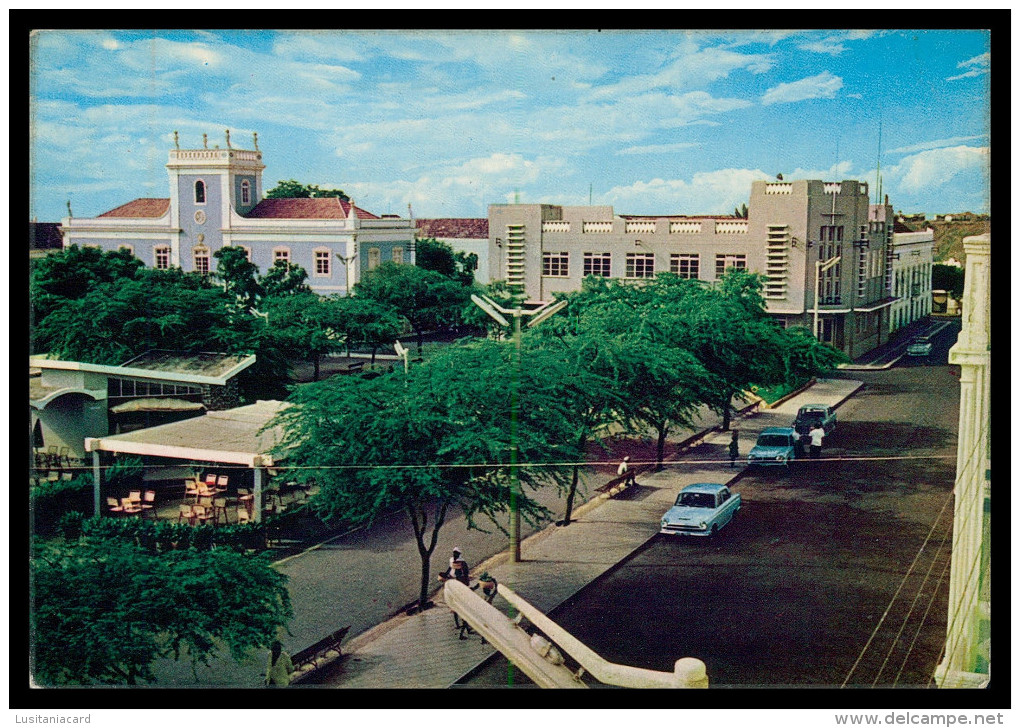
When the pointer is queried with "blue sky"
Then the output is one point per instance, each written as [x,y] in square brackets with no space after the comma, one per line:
[450,122]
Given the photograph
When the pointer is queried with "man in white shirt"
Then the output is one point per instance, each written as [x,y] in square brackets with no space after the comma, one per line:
[816,435]
[625,471]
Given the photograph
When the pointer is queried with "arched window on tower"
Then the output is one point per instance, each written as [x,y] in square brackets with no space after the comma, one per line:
[245,192]
[199,192]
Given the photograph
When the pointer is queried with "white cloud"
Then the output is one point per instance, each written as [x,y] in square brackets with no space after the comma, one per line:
[692,70]
[935,144]
[833,48]
[979,66]
[822,86]
[707,193]
[657,148]
[936,167]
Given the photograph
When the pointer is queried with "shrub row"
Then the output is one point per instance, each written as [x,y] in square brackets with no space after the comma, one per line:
[162,536]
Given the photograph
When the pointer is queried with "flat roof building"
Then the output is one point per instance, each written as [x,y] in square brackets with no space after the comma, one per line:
[820,245]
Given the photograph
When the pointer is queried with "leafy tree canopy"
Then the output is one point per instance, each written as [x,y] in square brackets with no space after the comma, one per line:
[293,188]
[427,299]
[432,254]
[239,276]
[106,610]
[284,279]
[947,278]
[437,438]
[70,273]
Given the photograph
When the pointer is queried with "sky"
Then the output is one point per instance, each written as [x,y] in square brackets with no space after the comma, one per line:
[449,122]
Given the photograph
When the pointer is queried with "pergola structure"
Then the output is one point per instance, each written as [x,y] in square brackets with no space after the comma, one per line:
[233,437]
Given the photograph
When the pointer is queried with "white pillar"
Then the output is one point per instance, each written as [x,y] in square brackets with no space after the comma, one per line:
[972,353]
[257,495]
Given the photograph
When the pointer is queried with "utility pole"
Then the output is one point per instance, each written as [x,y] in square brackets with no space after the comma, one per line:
[498,314]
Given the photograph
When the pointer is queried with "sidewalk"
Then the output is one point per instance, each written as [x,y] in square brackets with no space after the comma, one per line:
[423,650]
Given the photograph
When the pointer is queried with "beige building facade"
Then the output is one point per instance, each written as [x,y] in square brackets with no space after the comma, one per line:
[825,252]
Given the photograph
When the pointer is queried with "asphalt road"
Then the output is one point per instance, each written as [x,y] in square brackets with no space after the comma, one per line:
[822,579]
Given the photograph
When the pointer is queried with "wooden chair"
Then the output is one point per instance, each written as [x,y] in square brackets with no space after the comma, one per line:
[242,515]
[201,514]
[192,488]
[149,503]
[245,498]
[186,514]
[136,497]
[222,482]
[219,506]
[130,507]
[65,456]
[114,506]
[210,479]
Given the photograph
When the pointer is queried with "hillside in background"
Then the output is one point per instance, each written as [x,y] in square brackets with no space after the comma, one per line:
[949,235]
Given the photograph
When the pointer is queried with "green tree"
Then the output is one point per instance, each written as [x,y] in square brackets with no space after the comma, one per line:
[432,254]
[427,299]
[306,326]
[69,274]
[365,322]
[238,275]
[163,309]
[284,279]
[292,188]
[947,278]
[434,440]
[105,610]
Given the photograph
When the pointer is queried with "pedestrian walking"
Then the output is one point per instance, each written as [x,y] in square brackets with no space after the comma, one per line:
[458,570]
[279,668]
[734,448]
[817,434]
[625,471]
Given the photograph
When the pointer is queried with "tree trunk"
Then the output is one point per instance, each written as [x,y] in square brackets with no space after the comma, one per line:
[661,446]
[426,568]
[726,415]
[570,496]
[315,361]
[374,350]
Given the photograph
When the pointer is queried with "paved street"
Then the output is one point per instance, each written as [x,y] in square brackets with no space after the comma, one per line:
[365,576]
[816,582]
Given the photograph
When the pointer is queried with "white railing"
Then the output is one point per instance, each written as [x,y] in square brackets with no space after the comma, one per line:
[723,227]
[778,188]
[241,155]
[684,226]
[640,226]
[556,226]
[596,227]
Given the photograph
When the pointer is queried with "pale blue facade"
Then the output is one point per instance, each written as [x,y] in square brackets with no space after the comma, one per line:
[215,197]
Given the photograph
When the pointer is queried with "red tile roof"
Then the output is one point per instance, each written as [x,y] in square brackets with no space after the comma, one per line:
[142,207]
[311,208]
[454,227]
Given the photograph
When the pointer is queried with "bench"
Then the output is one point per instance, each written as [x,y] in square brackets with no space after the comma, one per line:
[354,366]
[308,659]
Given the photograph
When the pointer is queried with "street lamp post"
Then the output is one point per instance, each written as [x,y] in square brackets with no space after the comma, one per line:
[496,312]
[821,267]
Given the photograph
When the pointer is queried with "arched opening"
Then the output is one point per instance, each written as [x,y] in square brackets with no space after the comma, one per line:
[200,192]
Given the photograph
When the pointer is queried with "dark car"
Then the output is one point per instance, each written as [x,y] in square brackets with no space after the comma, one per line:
[807,416]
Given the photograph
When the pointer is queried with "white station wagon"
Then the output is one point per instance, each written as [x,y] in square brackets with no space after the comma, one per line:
[700,510]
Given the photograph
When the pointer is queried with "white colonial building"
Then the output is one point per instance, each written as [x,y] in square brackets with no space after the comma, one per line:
[216,201]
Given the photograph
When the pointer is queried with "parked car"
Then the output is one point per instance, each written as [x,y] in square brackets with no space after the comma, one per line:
[807,416]
[700,510]
[776,446]
[919,346]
